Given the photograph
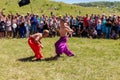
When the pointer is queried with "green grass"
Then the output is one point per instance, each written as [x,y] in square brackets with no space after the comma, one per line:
[94,60]
[45,7]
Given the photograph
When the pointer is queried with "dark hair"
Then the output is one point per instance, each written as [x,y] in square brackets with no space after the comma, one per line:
[62,20]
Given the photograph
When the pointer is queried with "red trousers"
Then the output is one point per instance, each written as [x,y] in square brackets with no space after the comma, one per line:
[35,47]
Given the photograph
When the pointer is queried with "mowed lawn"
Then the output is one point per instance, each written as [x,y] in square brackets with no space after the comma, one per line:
[95,59]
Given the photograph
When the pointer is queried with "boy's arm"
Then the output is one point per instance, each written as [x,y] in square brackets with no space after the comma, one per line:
[69,29]
[40,44]
[37,39]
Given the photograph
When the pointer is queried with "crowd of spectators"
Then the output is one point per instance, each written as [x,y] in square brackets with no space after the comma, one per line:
[89,26]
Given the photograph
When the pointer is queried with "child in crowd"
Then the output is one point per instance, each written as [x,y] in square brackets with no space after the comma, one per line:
[113,35]
[34,42]
[60,45]
[99,28]
[94,34]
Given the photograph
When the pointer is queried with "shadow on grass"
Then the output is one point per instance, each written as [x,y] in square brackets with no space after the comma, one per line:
[31,59]
[53,58]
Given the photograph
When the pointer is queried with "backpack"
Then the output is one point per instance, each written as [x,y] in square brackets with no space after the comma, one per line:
[2,26]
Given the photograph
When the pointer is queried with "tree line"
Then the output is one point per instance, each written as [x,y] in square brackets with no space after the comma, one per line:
[99,4]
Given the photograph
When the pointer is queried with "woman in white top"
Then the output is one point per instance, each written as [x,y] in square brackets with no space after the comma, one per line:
[14,26]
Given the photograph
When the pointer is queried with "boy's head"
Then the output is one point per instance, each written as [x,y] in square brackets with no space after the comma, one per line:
[45,33]
[62,22]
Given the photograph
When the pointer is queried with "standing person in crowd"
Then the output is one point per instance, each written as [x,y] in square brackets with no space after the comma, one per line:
[103,26]
[50,23]
[60,45]
[72,25]
[99,28]
[84,32]
[119,30]
[86,25]
[34,42]
[115,25]
[27,26]
[14,26]
[76,26]
[86,21]
[92,28]
[8,26]
[81,25]
[45,25]
[38,23]
[108,27]
[40,26]
[22,30]
[53,29]
[33,21]
[119,26]
[72,21]
[2,25]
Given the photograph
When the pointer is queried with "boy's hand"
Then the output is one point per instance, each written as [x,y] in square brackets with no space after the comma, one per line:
[42,46]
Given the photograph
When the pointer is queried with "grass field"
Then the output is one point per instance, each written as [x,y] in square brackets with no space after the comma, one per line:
[41,7]
[94,60]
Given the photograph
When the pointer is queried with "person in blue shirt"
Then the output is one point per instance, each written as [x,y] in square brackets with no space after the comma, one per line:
[33,21]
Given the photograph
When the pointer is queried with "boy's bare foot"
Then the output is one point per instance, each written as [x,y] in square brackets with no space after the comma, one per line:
[38,59]
[72,55]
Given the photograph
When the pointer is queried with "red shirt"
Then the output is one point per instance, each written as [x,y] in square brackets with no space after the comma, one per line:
[86,21]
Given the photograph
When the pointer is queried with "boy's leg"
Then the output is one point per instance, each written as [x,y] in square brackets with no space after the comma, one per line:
[35,48]
[31,44]
[38,52]
[58,50]
[68,52]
